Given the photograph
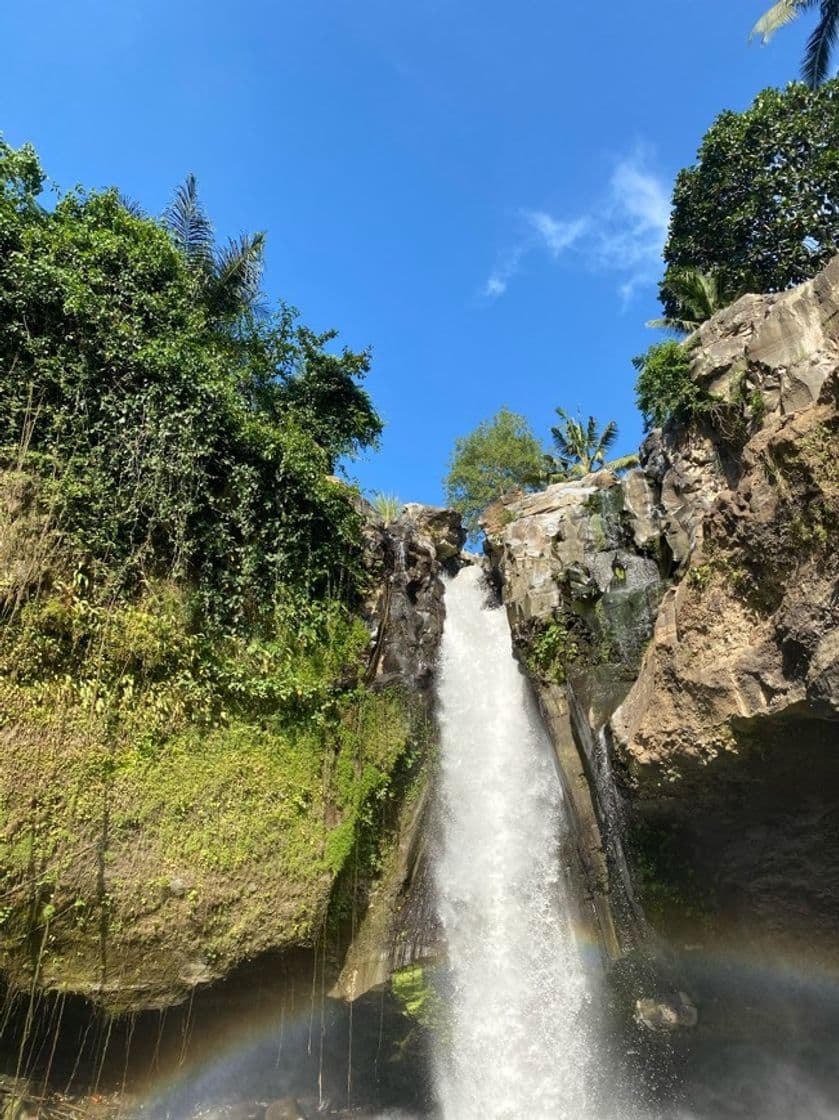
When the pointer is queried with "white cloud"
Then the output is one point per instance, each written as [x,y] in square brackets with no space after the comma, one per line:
[505,269]
[624,233]
[555,235]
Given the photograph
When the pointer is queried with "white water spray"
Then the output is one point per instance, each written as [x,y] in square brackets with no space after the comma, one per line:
[515,1047]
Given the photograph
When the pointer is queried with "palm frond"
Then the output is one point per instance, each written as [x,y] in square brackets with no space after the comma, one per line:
[237,275]
[607,438]
[560,434]
[189,227]
[698,296]
[820,45]
[131,205]
[622,463]
[778,16]
[679,326]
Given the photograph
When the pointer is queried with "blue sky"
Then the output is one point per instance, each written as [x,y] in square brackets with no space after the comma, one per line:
[478,190]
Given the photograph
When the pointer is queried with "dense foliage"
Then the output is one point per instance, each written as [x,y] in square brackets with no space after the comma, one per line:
[664,387]
[180,659]
[169,437]
[499,455]
[760,208]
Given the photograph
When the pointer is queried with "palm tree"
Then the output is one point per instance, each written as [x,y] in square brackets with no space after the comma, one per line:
[228,277]
[581,449]
[820,45]
[699,295]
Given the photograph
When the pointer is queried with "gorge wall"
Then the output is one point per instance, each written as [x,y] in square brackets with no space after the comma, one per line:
[251,847]
[679,624]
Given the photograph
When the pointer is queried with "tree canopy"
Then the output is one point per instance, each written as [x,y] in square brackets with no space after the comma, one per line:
[500,454]
[760,207]
[169,434]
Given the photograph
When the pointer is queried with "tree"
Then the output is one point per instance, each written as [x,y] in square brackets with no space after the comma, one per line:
[581,448]
[699,295]
[162,440]
[760,207]
[821,42]
[228,277]
[287,369]
[499,455]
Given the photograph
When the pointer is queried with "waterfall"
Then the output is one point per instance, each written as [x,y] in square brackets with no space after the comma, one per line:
[514,1046]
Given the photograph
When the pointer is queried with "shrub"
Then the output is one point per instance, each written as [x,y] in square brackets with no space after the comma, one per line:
[664,387]
[551,649]
[166,443]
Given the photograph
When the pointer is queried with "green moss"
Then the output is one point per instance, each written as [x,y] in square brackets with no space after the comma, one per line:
[418,998]
[242,772]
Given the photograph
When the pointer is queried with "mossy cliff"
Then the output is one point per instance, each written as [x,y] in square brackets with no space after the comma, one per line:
[680,626]
[212,651]
[161,824]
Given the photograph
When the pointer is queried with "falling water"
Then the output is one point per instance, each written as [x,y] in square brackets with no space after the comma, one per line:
[515,1045]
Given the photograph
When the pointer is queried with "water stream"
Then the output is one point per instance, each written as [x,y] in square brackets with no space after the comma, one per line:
[516,1043]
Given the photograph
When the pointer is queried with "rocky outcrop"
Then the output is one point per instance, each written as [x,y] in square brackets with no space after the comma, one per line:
[406,617]
[680,626]
[405,613]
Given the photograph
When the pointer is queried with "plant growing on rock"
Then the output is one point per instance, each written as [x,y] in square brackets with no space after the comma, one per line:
[550,649]
[387,506]
[664,387]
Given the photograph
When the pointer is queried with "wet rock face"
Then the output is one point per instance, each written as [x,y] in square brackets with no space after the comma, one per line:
[693,608]
[585,556]
[406,613]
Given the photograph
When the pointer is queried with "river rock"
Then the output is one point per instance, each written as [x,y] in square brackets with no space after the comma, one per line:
[285,1109]
[669,1014]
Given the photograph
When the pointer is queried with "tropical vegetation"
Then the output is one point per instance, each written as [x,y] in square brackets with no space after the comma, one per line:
[179,572]
[501,454]
[664,387]
[773,173]
[817,56]
[580,448]
[697,296]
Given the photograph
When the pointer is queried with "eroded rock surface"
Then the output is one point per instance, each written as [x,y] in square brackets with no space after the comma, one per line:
[680,625]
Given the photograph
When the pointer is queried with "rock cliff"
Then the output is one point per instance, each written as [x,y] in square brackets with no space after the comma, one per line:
[198,858]
[680,626]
